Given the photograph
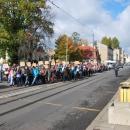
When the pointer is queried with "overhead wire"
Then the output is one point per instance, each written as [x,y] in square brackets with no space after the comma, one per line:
[70,15]
[65,12]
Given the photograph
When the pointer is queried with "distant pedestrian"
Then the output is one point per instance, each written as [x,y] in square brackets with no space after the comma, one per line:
[116,68]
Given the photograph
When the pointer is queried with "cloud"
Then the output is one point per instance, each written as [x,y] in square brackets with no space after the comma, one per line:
[120,1]
[123,27]
[92,17]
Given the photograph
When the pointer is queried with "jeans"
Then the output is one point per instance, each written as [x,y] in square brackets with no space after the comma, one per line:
[11,80]
[18,81]
[0,76]
[34,80]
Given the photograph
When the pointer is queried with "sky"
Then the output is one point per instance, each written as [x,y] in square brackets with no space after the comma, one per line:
[101,17]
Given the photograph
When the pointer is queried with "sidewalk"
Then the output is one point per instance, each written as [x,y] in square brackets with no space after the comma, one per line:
[101,121]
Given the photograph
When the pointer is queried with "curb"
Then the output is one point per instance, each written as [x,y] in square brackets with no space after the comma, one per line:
[94,122]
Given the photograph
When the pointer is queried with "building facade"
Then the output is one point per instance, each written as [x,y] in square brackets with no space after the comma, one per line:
[117,55]
[105,52]
[90,53]
[126,58]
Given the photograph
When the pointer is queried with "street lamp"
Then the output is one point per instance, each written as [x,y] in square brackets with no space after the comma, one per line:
[66,49]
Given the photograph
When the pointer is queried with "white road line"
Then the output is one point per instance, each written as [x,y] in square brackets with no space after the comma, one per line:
[78,108]
[19,92]
[53,104]
[87,109]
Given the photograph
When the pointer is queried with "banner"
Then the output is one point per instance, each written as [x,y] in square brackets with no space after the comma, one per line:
[5,66]
[22,63]
[28,64]
[46,62]
[77,62]
[40,63]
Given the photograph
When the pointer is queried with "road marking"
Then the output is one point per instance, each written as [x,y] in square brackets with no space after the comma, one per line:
[77,108]
[53,104]
[54,84]
[19,92]
[87,109]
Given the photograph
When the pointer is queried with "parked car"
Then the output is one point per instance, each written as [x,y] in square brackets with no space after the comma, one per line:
[121,65]
[110,64]
[127,64]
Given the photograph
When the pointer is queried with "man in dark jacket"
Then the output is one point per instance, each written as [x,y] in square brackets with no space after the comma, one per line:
[116,68]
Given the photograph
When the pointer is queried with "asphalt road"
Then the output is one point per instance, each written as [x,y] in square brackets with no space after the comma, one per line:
[62,106]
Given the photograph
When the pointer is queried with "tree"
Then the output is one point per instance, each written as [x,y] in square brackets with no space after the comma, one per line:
[115,43]
[111,42]
[107,41]
[4,37]
[76,55]
[64,42]
[61,45]
[24,23]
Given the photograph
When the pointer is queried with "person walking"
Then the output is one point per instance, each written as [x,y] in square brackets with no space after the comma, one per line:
[116,68]
[43,75]
[18,77]
[28,76]
[11,77]
[35,75]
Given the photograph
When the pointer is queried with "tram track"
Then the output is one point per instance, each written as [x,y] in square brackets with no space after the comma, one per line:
[25,87]
[45,97]
[18,97]
[11,90]
[32,94]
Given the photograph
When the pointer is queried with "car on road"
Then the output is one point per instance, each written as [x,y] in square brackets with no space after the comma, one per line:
[121,66]
[127,64]
[110,64]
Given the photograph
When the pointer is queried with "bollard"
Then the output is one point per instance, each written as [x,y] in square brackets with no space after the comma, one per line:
[125,94]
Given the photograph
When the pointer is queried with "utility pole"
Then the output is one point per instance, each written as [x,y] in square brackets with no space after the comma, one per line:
[66,48]
[93,39]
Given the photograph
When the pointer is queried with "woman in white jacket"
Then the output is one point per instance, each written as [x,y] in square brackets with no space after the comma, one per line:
[11,77]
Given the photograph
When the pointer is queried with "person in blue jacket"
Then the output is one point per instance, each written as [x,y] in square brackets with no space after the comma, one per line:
[35,73]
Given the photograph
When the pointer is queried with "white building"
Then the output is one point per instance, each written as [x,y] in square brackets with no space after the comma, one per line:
[105,52]
[117,55]
[122,56]
[127,58]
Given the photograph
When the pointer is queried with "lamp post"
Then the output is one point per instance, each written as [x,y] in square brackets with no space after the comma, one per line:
[1,65]
[66,49]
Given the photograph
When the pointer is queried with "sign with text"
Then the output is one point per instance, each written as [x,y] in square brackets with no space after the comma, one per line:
[22,63]
[5,66]
[28,64]
[46,62]
[40,63]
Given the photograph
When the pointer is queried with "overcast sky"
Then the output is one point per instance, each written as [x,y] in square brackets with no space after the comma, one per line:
[103,17]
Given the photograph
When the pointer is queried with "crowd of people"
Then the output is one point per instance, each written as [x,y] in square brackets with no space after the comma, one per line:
[34,75]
